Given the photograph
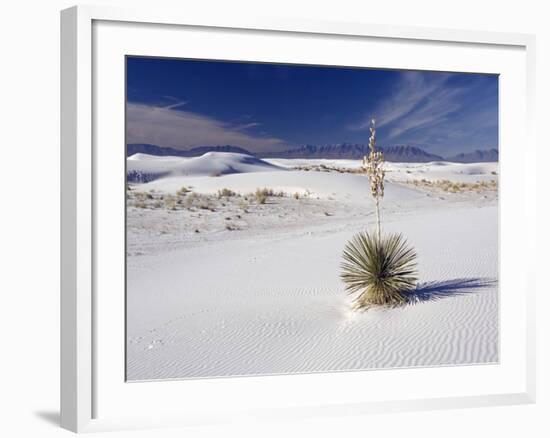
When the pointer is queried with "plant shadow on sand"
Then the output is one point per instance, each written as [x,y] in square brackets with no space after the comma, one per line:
[436,290]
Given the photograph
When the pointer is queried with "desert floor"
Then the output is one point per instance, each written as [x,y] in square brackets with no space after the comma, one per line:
[239,283]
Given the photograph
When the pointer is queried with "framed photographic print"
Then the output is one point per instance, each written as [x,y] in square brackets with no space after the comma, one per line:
[259,218]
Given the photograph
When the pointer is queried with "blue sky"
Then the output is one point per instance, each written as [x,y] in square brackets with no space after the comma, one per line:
[268,107]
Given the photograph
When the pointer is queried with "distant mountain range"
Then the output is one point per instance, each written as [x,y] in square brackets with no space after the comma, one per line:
[476,156]
[398,153]
[407,154]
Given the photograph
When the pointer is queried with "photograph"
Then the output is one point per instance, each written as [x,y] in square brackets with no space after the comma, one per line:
[293,218]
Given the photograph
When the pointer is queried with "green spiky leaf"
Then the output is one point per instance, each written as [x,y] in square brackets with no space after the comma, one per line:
[379,271]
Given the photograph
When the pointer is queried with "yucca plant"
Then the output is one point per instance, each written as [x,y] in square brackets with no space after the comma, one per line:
[380,270]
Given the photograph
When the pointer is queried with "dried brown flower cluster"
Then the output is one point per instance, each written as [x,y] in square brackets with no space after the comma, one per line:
[372,163]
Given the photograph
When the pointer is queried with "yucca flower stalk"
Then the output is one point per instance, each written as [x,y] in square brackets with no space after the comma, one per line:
[373,165]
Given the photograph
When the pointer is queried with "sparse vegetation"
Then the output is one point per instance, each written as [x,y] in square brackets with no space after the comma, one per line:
[185,198]
[191,200]
[143,195]
[261,196]
[455,187]
[170,201]
[227,193]
[327,168]
[206,204]
[183,191]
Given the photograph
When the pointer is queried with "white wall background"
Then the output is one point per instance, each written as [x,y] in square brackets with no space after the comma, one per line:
[29,200]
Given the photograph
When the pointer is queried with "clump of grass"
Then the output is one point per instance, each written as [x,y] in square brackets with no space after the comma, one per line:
[140,204]
[205,204]
[381,270]
[142,196]
[226,193]
[191,200]
[261,195]
[183,191]
[169,201]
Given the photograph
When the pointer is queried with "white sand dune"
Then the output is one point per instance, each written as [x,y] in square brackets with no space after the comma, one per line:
[267,299]
[439,170]
[209,164]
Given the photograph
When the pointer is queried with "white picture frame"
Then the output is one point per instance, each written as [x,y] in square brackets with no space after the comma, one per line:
[79,276]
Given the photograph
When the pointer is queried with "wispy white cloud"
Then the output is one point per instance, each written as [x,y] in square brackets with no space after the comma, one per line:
[169,126]
[176,105]
[430,110]
[246,126]
[414,101]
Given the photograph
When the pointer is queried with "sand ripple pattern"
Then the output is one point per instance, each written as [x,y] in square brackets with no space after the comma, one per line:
[249,308]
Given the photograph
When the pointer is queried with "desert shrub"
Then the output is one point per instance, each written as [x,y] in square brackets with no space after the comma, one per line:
[262,195]
[381,270]
[140,204]
[184,190]
[191,200]
[143,195]
[227,193]
[205,204]
[169,201]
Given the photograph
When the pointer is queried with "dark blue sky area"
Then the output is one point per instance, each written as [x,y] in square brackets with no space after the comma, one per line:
[263,107]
